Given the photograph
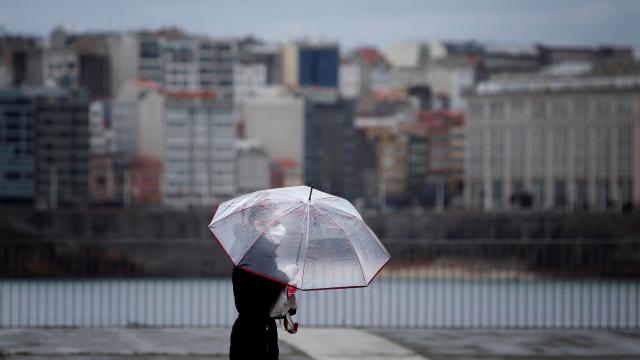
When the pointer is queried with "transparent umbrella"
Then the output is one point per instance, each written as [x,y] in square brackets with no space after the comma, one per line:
[301,237]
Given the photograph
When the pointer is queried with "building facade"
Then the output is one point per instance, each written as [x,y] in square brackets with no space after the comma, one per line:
[330,145]
[570,143]
[253,167]
[311,65]
[199,150]
[271,114]
[182,62]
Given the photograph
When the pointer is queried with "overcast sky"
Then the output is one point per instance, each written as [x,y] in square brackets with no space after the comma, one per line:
[351,22]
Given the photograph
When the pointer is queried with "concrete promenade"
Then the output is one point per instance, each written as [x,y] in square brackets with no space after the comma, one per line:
[321,344]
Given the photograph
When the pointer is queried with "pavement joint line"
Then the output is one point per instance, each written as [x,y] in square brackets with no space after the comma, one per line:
[336,344]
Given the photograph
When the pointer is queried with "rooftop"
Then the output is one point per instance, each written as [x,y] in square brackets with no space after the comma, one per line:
[533,85]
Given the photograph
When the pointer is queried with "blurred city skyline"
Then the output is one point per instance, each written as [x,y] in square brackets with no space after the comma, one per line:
[352,23]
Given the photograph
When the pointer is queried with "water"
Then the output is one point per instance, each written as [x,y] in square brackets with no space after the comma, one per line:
[386,303]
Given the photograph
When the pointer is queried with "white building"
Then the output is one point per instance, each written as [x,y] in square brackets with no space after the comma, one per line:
[182,62]
[570,143]
[248,79]
[276,118]
[199,150]
[61,67]
[350,79]
[123,55]
[137,119]
[253,166]
[451,77]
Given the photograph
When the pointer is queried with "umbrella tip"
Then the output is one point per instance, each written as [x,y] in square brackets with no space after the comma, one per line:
[310,192]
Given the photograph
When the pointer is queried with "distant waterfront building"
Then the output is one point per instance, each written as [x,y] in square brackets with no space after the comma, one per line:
[18,112]
[248,79]
[253,166]
[144,182]
[436,158]
[45,149]
[199,154]
[21,61]
[569,143]
[102,149]
[76,59]
[311,65]
[276,118]
[364,73]
[253,51]
[102,179]
[137,119]
[182,62]
[330,144]
[350,79]
[392,163]
[62,152]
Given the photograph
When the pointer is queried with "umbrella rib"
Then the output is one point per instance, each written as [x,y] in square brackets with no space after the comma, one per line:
[252,205]
[306,246]
[263,231]
[350,242]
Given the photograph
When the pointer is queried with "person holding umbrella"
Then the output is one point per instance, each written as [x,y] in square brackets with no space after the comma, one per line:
[254,334]
[285,239]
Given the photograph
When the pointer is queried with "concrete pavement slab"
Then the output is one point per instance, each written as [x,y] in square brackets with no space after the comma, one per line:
[519,344]
[347,344]
[77,344]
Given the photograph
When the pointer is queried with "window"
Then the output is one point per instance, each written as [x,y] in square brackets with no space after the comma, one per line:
[538,109]
[475,110]
[560,109]
[560,193]
[517,152]
[560,152]
[581,108]
[625,106]
[603,108]
[625,149]
[517,107]
[538,193]
[497,110]
[496,189]
[497,151]
[581,151]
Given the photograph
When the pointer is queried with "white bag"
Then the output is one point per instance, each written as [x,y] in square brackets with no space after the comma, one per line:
[283,304]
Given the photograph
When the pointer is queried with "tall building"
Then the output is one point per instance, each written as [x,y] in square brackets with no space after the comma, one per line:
[330,144]
[45,147]
[62,151]
[21,61]
[270,115]
[199,150]
[102,148]
[393,165]
[183,62]
[17,145]
[248,79]
[436,158]
[75,60]
[311,65]
[569,143]
[137,119]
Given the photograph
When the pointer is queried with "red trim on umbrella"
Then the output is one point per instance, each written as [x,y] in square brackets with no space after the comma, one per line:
[379,270]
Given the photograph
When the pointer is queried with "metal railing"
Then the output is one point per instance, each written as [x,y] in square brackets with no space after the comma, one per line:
[428,284]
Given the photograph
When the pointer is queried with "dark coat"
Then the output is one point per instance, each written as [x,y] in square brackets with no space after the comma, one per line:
[254,334]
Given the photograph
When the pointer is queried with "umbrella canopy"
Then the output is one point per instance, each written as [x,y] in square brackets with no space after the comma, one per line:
[300,237]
